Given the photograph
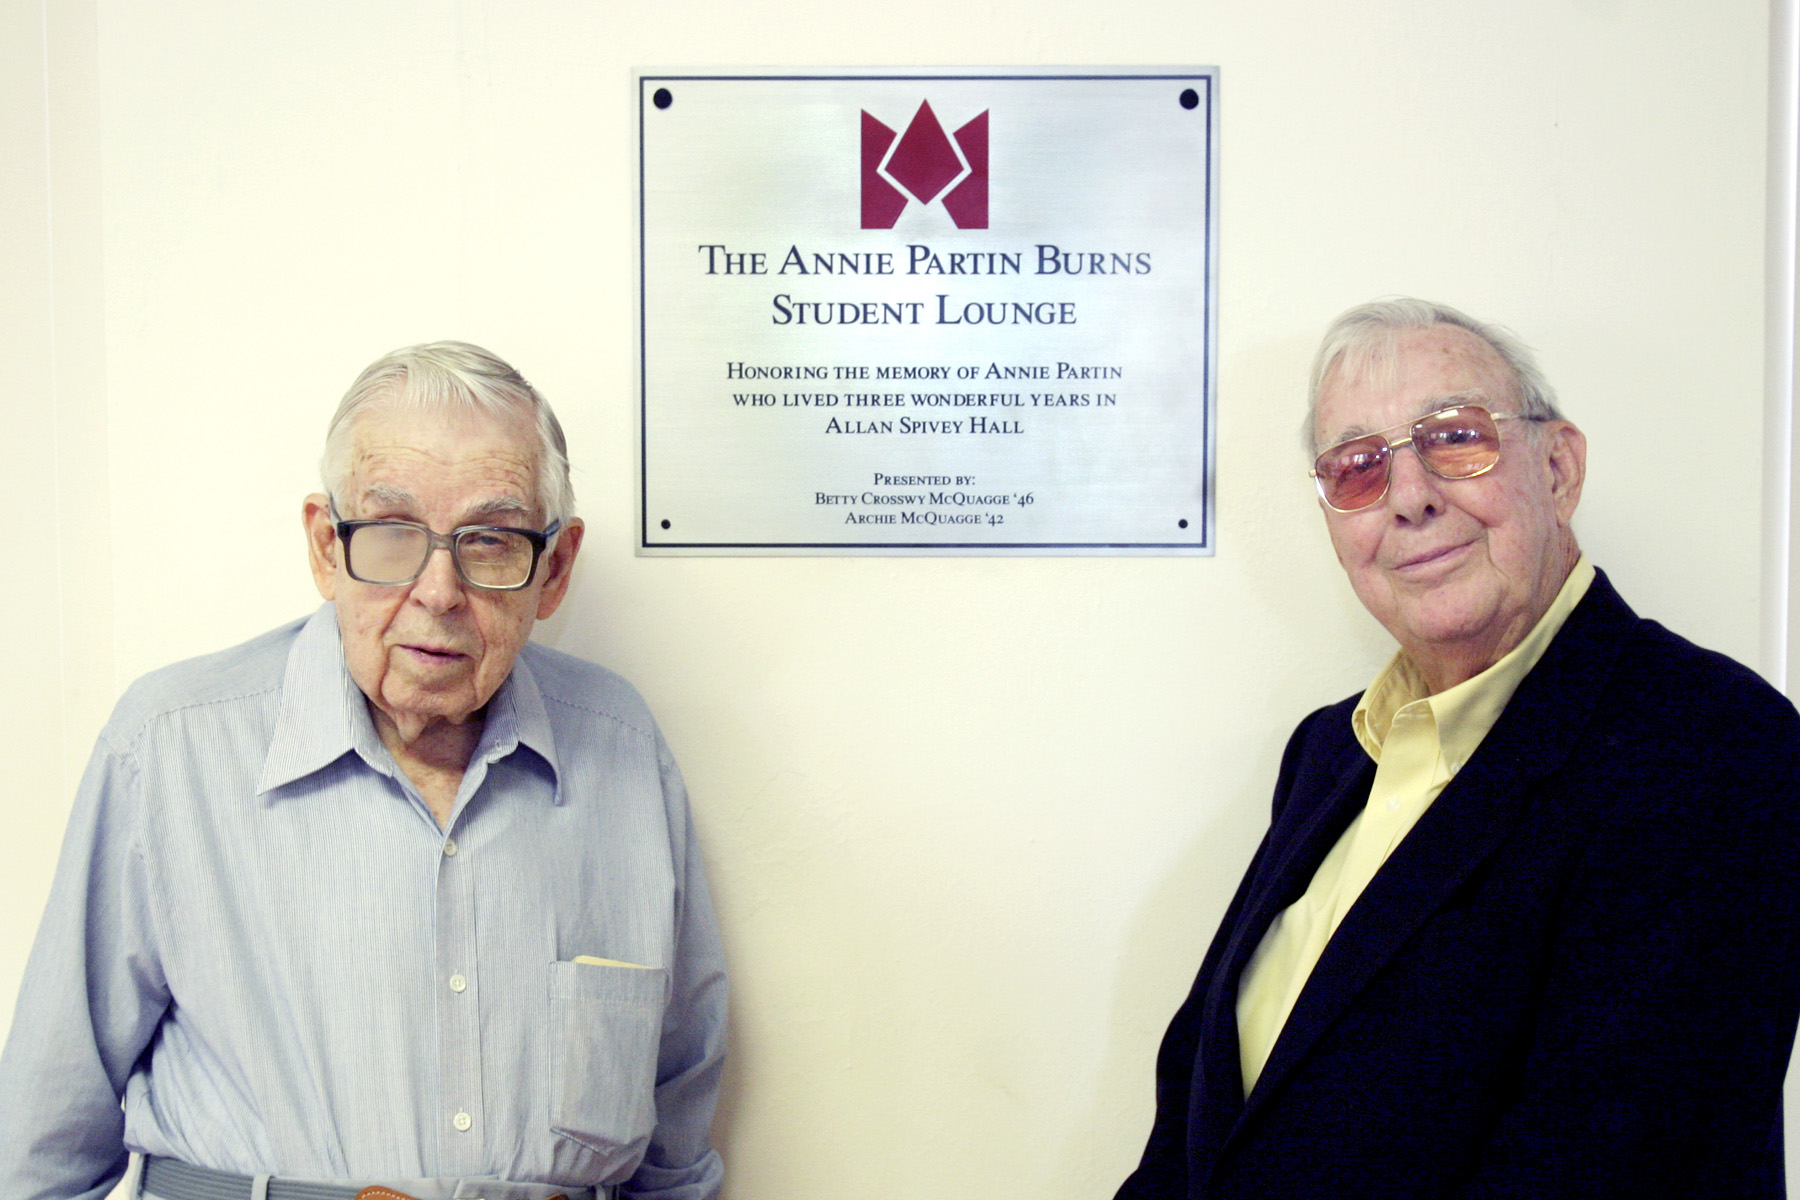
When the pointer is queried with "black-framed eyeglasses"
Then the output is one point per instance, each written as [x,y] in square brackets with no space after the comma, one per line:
[1459,442]
[494,558]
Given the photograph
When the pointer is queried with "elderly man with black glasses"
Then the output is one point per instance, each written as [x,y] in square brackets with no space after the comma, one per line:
[1524,923]
[388,901]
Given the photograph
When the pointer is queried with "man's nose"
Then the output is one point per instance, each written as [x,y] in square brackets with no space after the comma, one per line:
[1414,493]
[438,587]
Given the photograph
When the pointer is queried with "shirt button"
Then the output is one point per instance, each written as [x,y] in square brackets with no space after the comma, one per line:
[458,983]
[462,1121]
[449,847]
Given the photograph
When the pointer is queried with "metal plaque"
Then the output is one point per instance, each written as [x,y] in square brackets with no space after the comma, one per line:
[944,312]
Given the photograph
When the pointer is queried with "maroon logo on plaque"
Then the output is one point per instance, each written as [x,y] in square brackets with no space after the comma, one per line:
[923,164]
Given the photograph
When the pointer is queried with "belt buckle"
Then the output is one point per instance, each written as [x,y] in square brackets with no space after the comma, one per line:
[388,1193]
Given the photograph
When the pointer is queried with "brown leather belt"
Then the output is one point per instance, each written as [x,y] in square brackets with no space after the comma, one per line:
[172,1179]
[387,1193]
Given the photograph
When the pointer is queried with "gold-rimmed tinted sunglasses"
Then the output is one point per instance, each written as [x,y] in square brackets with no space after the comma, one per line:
[1454,443]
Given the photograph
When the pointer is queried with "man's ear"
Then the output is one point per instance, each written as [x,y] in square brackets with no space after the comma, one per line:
[558,566]
[321,544]
[1567,453]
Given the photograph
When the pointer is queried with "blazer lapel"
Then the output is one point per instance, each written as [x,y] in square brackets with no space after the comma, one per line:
[1461,829]
[1345,784]
[1295,853]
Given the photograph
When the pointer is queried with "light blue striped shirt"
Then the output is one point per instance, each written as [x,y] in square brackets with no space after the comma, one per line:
[260,940]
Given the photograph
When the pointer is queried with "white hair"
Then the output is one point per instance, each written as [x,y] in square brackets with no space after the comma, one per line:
[1364,342]
[452,377]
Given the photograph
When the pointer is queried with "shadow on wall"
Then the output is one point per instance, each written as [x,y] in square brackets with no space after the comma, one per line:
[1159,955]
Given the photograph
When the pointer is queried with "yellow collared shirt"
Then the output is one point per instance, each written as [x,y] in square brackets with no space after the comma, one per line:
[1418,742]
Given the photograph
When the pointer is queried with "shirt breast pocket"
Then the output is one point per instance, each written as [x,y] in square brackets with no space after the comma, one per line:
[605,1024]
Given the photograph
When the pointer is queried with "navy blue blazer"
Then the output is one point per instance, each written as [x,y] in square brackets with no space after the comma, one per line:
[1577,976]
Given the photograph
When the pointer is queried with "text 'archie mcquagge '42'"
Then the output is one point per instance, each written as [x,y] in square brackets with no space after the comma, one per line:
[930,312]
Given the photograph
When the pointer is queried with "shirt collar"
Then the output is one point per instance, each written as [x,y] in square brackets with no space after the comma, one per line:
[517,716]
[324,715]
[1465,713]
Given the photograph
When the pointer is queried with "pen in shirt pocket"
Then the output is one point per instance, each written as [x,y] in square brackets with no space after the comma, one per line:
[591,961]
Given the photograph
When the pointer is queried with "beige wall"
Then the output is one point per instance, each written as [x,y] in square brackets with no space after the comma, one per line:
[971,821]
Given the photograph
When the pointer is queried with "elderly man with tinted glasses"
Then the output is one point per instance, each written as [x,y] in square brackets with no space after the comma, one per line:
[387,898]
[1524,922]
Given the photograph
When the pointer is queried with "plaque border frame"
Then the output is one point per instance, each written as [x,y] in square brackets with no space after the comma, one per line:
[1207,81]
